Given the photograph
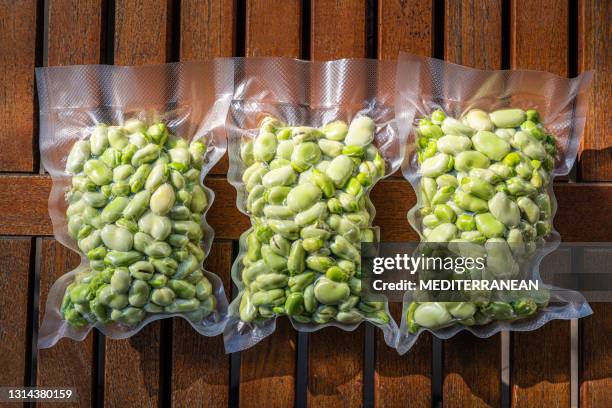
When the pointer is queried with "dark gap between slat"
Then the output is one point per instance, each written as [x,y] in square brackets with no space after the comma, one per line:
[371,28]
[369,361]
[165,363]
[234,371]
[99,364]
[577,259]
[510,370]
[107,34]
[506,34]
[95,377]
[41,58]
[174,31]
[505,345]
[31,363]
[437,371]
[301,375]
[572,36]
[572,64]
[42,34]
[369,352]
[305,40]
[240,28]
[438,29]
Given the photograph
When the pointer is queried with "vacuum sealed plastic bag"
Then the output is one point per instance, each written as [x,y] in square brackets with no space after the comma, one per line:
[127,149]
[482,151]
[307,142]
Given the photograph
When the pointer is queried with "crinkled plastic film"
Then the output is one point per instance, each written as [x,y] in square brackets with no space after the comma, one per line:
[425,85]
[192,99]
[301,93]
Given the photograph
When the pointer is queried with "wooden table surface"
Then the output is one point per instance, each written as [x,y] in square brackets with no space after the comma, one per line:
[168,363]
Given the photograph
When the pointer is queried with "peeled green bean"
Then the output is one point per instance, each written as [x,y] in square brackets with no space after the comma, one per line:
[138,222]
[484,181]
[306,192]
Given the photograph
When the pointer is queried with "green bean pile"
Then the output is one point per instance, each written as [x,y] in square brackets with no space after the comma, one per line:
[307,194]
[484,181]
[135,209]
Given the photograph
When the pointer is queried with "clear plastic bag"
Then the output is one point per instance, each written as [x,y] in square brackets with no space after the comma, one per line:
[157,130]
[427,86]
[271,94]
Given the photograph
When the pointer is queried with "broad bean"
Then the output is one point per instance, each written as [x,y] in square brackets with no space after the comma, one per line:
[138,222]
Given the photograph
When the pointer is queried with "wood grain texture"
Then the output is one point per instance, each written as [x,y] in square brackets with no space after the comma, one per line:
[472,366]
[544,380]
[337,29]
[596,358]
[208,30]
[200,367]
[403,381]
[392,198]
[132,370]
[540,367]
[335,361]
[594,52]
[74,32]
[73,37]
[142,36]
[267,370]
[539,35]
[273,28]
[142,32]
[15,272]
[68,363]
[402,26]
[335,368]
[472,371]
[405,26]
[17,88]
[473,33]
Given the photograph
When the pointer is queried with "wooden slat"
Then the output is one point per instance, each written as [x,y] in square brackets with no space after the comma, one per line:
[473,32]
[472,371]
[15,272]
[396,374]
[74,35]
[402,26]
[207,31]
[267,370]
[142,36]
[405,26]
[132,370]
[273,28]
[594,52]
[392,198]
[200,367]
[539,35]
[337,29]
[142,31]
[596,164]
[17,61]
[74,32]
[596,364]
[336,368]
[68,363]
[543,46]
[472,366]
[335,365]
[541,366]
